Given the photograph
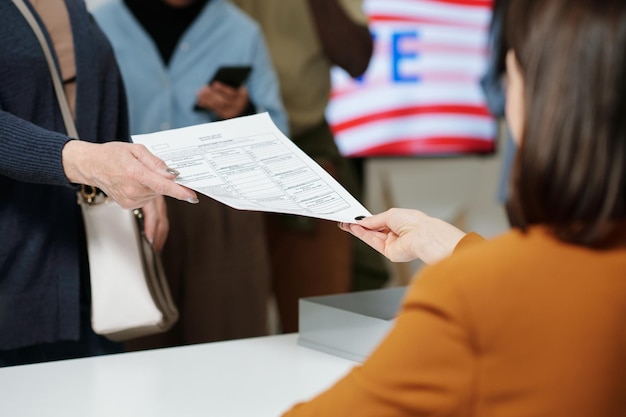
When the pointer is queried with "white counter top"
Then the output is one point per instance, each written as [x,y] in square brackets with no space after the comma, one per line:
[249,377]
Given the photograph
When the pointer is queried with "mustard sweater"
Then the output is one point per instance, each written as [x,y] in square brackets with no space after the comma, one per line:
[522,325]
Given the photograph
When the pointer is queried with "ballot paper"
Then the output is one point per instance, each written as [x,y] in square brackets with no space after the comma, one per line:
[247,163]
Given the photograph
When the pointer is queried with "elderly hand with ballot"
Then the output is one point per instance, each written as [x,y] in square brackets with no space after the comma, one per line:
[132,176]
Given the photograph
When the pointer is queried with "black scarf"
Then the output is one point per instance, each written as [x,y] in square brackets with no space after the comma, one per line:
[165,24]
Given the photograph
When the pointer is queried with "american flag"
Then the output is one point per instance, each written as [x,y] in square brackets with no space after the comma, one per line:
[421,93]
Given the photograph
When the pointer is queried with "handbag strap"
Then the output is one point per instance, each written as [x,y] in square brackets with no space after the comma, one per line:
[88,193]
[54,73]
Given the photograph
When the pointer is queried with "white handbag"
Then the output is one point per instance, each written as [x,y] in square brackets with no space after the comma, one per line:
[130,296]
[129,292]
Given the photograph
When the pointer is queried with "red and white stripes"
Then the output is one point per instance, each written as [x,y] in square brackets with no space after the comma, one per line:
[421,92]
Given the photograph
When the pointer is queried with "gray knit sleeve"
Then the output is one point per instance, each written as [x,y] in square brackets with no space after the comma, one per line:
[30,153]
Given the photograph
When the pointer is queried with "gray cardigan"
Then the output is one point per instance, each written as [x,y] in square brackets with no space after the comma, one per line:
[42,251]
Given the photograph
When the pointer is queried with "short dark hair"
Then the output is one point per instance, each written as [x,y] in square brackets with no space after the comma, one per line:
[570,171]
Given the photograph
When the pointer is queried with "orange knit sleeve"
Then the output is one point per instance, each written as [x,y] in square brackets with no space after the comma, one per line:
[468,240]
[425,365]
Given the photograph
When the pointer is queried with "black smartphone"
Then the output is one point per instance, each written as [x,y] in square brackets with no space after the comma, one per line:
[232,76]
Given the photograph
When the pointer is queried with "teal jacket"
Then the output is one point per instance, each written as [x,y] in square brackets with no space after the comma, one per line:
[163,97]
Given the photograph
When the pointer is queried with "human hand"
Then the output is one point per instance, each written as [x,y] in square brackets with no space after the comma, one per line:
[225,101]
[403,235]
[128,173]
[156,224]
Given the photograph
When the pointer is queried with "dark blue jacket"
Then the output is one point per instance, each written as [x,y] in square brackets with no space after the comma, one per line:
[42,250]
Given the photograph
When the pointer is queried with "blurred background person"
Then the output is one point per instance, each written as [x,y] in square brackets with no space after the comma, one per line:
[216,257]
[45,304]
[306,38]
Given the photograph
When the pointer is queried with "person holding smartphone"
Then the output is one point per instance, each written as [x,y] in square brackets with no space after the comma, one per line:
[171,54]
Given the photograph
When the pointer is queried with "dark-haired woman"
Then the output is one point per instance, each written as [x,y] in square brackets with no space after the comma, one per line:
[531,323]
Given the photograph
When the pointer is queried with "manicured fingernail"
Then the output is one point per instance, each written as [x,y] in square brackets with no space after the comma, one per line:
[359,217]
[340,225]
[193,200]
[173,171]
